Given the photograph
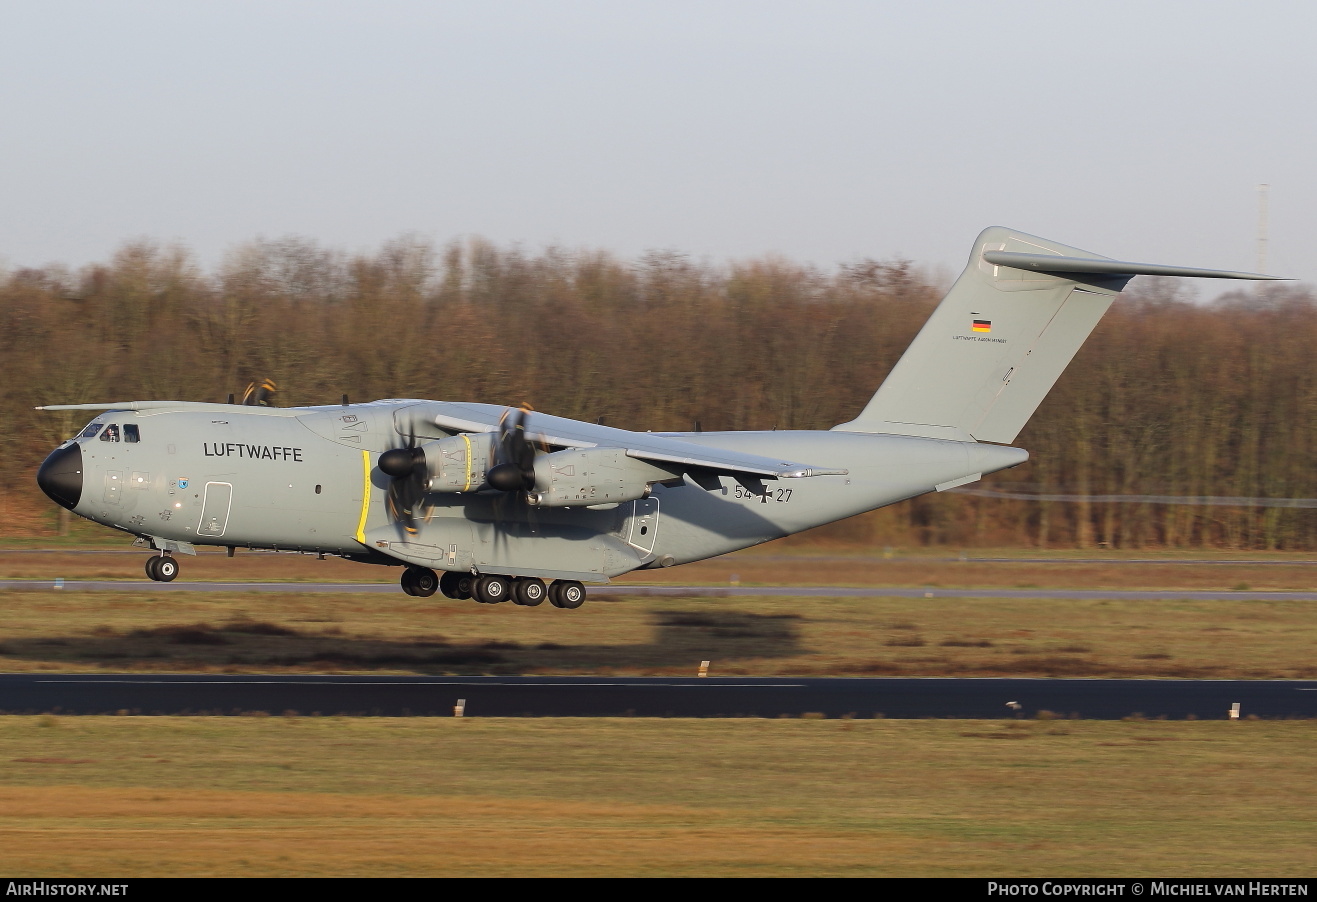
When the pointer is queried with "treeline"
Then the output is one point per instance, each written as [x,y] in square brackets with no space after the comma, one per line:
[1168,398]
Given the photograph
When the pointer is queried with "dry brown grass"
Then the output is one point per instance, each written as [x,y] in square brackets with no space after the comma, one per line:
[741,635]
[329,796]
[765,636]
[1281,572]
[218,834]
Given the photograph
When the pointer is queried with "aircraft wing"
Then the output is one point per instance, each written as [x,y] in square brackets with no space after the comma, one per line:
[661,449]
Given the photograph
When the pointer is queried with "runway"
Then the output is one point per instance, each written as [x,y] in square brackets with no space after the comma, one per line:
[393,696]
[652,697]
[719,591]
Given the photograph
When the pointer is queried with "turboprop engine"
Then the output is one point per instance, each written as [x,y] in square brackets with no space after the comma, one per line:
[570,478]
[507,462]
[456,464]
[592,476]
[460,463]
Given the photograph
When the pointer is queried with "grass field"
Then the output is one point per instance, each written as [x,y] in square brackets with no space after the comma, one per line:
[356,796]
[741,635]
[139,796]
[128,630]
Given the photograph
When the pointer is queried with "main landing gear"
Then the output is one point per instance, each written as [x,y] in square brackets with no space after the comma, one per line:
[161,568]
[527,591]
[419,581]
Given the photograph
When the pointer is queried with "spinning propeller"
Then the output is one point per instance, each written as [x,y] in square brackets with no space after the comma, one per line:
[409,483]
[513,467]
[511,473]
[260,394]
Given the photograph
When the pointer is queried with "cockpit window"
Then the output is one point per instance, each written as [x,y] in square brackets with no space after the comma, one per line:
[130,433]
[92,429]
[111,433]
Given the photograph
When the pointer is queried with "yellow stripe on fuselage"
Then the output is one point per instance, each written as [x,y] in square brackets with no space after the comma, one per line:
[365,496]
[470,464]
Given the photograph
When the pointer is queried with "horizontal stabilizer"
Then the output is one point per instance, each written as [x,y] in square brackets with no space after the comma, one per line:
[1106,266]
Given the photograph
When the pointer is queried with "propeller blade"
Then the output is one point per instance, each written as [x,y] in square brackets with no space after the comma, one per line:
[512,473]
[409,483]
[513,468]
[260,394]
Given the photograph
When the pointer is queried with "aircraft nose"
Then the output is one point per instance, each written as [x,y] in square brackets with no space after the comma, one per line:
[60,476]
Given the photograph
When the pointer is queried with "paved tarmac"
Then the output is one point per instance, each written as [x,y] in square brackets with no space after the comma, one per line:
[400,696]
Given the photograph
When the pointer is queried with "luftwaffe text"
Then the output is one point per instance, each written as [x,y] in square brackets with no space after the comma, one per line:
[255,452]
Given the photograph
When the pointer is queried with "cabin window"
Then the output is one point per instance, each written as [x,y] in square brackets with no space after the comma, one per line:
[111,433]
[130,433]
[91,430]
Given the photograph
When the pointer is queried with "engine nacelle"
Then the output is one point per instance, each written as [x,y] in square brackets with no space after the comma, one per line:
[581,477]
[459,463]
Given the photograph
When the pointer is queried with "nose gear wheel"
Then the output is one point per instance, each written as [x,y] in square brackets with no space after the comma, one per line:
[162,569]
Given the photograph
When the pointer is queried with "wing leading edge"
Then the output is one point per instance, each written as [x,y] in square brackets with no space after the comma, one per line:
[565,433]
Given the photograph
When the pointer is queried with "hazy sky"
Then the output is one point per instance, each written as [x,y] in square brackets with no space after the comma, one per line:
[823,131]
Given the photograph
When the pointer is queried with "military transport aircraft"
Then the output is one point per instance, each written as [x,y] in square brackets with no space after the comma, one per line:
[509,504]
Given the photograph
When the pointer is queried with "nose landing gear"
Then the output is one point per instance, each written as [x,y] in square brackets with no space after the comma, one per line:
[161,568]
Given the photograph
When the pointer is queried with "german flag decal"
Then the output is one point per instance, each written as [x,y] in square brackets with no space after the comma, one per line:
[982,325]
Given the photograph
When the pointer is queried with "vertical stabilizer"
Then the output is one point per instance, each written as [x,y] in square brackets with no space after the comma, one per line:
[1001,338]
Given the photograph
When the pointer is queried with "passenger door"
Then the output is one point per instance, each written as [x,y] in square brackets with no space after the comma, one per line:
[215,507]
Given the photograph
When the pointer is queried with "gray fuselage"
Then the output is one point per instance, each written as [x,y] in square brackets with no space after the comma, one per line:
[306,479]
